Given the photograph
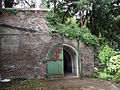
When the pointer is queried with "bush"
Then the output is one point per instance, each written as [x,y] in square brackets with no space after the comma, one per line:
[103,75]
[117,77]
[117,53]
[105,55]
[114,64]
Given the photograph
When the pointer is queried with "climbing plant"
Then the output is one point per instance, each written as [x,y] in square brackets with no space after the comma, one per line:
[70,29]
[10,11]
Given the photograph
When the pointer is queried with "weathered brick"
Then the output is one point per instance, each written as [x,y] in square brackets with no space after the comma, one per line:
[23,52]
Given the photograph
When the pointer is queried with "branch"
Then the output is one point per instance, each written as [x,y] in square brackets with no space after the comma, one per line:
[85,24]
[63,19]
[55,6]
[86,19]
[27,3]
[81,18]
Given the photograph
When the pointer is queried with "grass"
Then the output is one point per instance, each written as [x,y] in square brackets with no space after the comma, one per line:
[22,85]
[103,75]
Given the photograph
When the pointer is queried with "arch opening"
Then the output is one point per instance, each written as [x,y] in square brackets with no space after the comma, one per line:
[67,62]
[70,61]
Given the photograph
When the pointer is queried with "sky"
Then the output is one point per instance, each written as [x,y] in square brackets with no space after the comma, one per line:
[22,4]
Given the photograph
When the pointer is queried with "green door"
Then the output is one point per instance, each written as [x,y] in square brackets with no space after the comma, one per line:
[55,61]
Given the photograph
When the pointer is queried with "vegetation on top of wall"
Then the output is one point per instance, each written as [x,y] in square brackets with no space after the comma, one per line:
[10,11]
[26,13]
[70,29]
[15,11]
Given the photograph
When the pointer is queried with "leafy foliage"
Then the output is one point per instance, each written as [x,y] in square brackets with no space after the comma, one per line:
[103,20]
[43,4]
[52,18]
[103,75]
[71,29]
[10,11]
[8,3]
[100,16]
[81,34]
[114,64]
[117,18]
[117,77]
[105,55]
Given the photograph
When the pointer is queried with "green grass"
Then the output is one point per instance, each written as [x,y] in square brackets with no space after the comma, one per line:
[103,75]
[23,85]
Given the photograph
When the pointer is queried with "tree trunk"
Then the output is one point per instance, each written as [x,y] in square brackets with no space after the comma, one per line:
[86,19]
[0,6]
[63,19]
[93,22]
[81,20]
[55,6]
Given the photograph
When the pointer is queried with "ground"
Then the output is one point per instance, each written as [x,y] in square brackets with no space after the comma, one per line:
[64,84]
[78,84]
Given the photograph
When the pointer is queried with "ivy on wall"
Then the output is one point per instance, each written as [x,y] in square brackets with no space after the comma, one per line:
[15,11]
[10,11]
[70,29]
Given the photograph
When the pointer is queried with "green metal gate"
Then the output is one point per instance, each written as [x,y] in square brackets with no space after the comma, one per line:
[55,61]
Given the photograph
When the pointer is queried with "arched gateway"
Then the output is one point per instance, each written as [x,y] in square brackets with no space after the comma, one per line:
[62,60]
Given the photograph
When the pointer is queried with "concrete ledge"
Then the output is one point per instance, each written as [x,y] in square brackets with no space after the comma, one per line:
[30,9]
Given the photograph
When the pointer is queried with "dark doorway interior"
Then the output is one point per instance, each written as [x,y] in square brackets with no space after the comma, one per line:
[67,63]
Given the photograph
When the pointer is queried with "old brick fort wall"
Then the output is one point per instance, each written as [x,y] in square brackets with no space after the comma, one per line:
[25,43]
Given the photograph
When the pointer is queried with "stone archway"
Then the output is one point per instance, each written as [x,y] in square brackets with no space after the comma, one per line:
[62,60]
[70,60]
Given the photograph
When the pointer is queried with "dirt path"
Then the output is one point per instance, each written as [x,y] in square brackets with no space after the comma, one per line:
[77,84]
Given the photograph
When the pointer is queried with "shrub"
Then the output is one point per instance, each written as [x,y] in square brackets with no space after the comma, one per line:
[117,53]
[114,64]
[117,77]
[105,55]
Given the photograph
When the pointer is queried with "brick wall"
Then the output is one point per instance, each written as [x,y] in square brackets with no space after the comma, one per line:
[25,42]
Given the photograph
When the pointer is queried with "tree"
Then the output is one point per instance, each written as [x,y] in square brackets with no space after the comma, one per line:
[0,6]
[28,3]
[68,8]
[8,3]
[43,4]
[100,16]
[31,5]
[61,19]
[102,19]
